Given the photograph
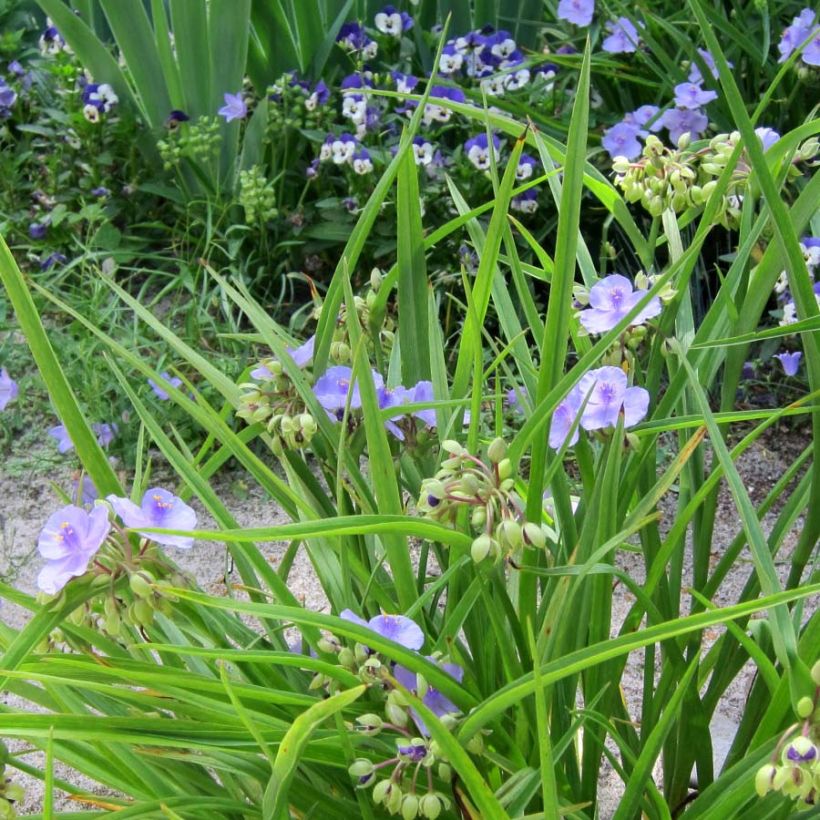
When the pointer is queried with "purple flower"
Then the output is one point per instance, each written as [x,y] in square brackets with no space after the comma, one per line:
[623,37]
[234,108]
[68,542]
[397,628]
[526,167]
[437,703]
[642,116]
[798,32]
[748,371]
[682,121]
[767,136]
[423,392]
[353,37]
[392,22]
[16,68]
[391,397]
[621,140]
[576,11]
[8,96]
[38,230]
[692,96]
[695,75]
[422,151]
[84,491]
[790,362]
[526,202]
[332,389]
[563,418]
[610,300]
[515,397]
[405,83]
[53,259]
[362,164]
[160,393]
[105,433]
[451,59]
[433,112]
[60,435]
[8,389]
[480,151]
[175,119]
[101,191]
[608,397]
[810,247]
[159,508]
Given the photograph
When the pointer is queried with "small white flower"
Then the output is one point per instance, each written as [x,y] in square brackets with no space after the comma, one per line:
[354,108]
[436,113]
[448,63]
[423,153]
[341,151]
[91,113]
[493,85]
[389,23]
[517,79]
[371,50]
[107,95]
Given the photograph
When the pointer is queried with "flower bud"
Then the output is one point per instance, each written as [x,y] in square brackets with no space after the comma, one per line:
[380,791]
[452,447]
[430,806]
[375,279]
[815,673]
[476,744]
[361,767]
[509,533]
[479,517]
[394,798]
[445,772]
[504,469]
[805,706]
[369,724]
[481,547]
[533,535]
[764,779]
[347,658]
[140,583]
[328,645]
[497,450]
[409,807]
[395,714]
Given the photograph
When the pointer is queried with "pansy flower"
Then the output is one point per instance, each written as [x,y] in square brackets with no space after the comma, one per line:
[526,167]
[159,508]
[392,22]
[422,151]
[451,59]
[362,164]
[481,151]
[526,202]
[342,149]
[433,112]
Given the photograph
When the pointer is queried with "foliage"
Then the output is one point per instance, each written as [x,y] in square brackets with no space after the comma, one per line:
[466,500]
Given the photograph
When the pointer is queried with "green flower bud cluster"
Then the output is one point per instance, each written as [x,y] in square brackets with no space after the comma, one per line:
[257,196]
[274,402]
[794,770]
[680,178]
[497,515]
[398,793]
[202,139]
[170,150]
[381,326]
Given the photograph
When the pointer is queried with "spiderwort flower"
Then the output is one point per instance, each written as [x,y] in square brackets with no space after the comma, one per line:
[159,508]
[105,432]
[392,22]
[480,151]
[680,121]
[802,27]
[790,362]
[434,700]
[563,418]
[692,96]
[610,300]
[8,389]
[608,397]
[621,140]
[767,136]
[60,435]
[159,392]
[397,628]
[578,12]
[695,75]
[623,36]
[331,390]
[68,542]
[234,108]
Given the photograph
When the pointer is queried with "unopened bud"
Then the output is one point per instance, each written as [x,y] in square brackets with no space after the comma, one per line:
[805,706]
[430,806]
[369,724]
[481,547]
[497,450]
[409,807]
[504,469]
[140,583]
[533,535]
[764,779]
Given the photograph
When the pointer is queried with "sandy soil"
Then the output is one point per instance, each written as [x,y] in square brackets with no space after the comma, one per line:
[29,496]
